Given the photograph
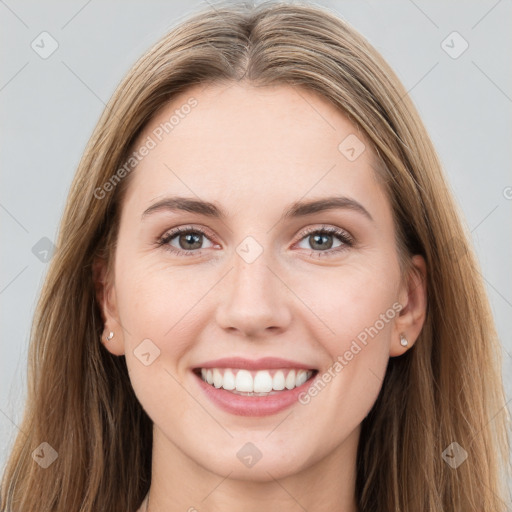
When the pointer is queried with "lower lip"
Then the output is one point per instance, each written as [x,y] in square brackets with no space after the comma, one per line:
[253,405]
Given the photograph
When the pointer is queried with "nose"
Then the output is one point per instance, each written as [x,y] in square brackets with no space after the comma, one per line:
[253,300]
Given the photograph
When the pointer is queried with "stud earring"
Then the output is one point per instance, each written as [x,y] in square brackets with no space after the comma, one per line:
[110,336]
[403,341]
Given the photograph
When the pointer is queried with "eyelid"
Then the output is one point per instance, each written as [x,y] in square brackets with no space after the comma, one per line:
[346,238]
[186,228]
[329,229]
[171,233]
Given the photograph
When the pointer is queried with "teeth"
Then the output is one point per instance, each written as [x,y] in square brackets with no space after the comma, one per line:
[243,381]
[229,380]
[217,378]
[301,378]
[278,381]
[262,382]
[290,380]
[255,382]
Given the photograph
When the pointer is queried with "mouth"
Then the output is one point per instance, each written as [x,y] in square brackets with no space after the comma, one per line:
[255,383]
[254,387]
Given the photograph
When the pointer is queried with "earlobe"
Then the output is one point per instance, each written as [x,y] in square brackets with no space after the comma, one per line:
[106,298]
[403,341]
[412,316]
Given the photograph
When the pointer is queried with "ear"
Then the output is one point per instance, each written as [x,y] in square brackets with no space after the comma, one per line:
[413,298]
[107,301]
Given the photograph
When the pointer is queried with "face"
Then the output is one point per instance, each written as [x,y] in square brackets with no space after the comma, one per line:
[265,277]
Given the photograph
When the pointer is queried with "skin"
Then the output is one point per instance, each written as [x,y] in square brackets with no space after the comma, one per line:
[253,151]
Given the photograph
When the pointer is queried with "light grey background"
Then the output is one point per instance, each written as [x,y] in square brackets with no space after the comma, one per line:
[50,106]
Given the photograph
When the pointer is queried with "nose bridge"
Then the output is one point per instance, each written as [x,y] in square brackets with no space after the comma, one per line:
[253,298]
[252,278]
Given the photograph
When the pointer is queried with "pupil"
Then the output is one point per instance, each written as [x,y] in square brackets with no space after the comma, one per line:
[190,236]
[316,237]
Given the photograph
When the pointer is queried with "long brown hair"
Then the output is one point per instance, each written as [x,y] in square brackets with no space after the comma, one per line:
[447,388]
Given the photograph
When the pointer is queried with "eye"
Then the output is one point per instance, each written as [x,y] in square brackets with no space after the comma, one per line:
[188,240]
[320,239]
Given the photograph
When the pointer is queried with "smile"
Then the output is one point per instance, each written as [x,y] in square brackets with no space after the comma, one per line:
[255,383]
[245,392]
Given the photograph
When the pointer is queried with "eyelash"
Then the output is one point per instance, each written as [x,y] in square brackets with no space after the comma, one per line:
[343,236]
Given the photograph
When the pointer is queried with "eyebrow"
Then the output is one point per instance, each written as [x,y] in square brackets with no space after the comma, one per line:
[295,210]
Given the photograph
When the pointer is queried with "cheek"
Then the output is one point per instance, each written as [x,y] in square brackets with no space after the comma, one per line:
[154,299]
[159,309]
[359,353]
[352,301]
[358,306]
[154,309]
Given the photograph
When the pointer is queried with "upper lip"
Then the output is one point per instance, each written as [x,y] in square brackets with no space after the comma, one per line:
[264,363]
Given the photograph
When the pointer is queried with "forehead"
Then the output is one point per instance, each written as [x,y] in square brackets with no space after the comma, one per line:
[252,146]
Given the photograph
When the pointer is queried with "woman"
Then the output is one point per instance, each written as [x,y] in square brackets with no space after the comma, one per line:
[196,347]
